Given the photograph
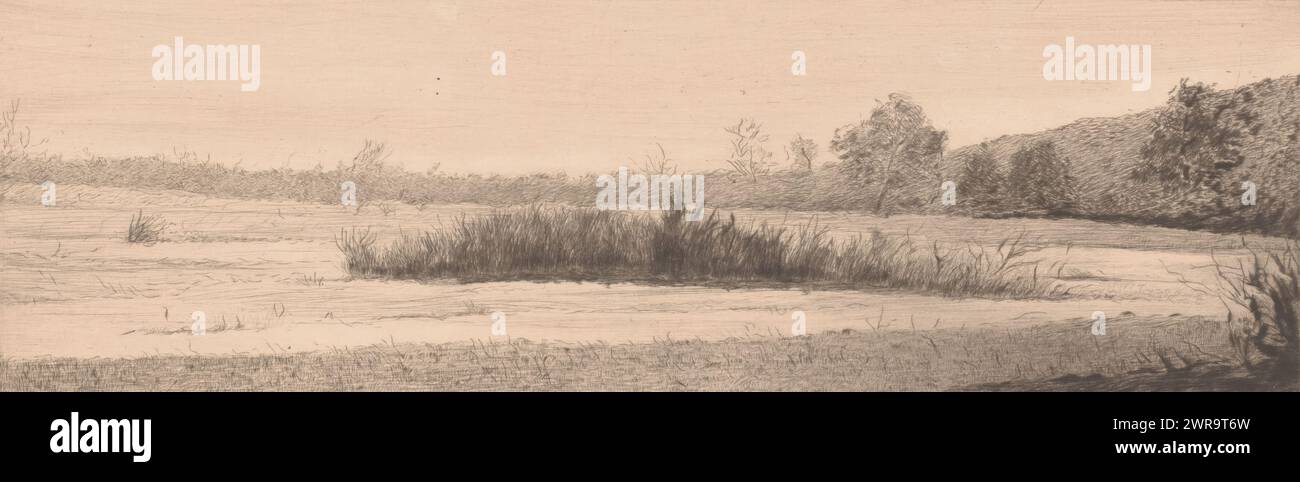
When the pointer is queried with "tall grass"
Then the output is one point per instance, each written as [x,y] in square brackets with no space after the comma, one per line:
[146,229]
[1263,299]
[565,243]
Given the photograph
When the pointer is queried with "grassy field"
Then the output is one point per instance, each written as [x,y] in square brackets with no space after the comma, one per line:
[1136,354]
[87,305]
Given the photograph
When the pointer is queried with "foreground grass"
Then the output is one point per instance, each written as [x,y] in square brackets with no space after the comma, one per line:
[1136,354]
[561,243]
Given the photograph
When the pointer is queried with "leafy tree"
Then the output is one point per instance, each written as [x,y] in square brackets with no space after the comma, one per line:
[1196,140]
[1040,178]
[895,145]
[980,179]
[802,152]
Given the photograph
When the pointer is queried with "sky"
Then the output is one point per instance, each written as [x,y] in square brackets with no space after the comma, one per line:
[592,85]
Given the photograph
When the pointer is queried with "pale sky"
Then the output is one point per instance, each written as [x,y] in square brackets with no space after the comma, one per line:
[592,84]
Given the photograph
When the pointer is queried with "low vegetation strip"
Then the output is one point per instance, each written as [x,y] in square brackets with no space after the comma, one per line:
[577,244]
[1137,353]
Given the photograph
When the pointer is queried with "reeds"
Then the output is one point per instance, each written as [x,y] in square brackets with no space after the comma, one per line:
[145,229]
[562,243]
[1262,294]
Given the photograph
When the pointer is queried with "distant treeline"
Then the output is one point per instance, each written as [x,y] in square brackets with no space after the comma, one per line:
[1186,164]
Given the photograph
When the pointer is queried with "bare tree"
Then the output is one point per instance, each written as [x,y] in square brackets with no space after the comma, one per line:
[367,171]
[748,156]
[659,164]
[370,159]
[15,141]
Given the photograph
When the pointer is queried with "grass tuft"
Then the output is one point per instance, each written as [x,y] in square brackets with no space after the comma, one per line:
[145,229]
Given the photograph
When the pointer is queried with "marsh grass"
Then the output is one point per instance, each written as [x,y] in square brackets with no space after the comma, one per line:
[311,280]
[145,229]
[577,244]
[1262,294]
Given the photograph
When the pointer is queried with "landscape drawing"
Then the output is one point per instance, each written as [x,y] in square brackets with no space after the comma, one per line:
[650,196]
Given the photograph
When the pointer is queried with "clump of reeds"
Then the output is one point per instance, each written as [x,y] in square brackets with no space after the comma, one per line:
[145,229]
[561,243]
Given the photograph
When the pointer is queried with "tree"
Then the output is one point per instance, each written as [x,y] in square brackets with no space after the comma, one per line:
[748,156]
[896,142]
[1040,178]
[980,179]
[15,140]
[1196,140]
[369,161]
[367,172]
[801,152]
